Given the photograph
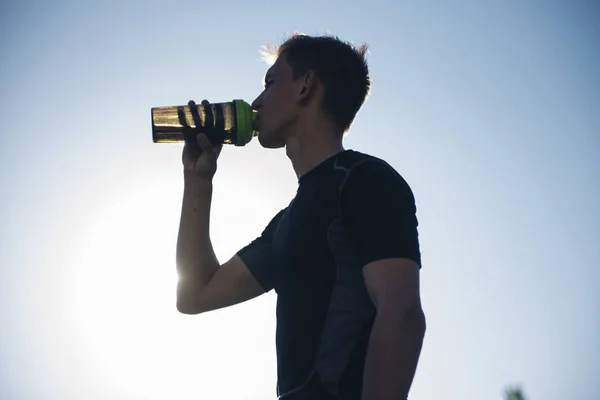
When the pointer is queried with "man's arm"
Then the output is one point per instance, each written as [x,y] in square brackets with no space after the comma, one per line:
[380,214]
[397,334]
[195,257]
[203,285]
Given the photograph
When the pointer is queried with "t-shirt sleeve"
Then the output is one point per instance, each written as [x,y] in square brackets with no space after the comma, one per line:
[258,255]
[379,213]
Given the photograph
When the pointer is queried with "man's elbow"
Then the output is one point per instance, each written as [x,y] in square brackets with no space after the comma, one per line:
[413,320]
[422,322]
[187,303]
[416,319]
[187,308]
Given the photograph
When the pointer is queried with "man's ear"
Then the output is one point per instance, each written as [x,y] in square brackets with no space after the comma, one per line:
[308,88]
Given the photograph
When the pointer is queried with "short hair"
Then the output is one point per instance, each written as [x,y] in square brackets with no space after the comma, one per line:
[341,67]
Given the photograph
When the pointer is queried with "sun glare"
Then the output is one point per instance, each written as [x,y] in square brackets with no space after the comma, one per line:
[125,288]
[129,331]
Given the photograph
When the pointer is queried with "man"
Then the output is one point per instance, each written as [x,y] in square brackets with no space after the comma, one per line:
[343,257]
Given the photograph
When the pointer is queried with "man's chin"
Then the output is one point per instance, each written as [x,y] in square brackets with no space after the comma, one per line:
[269,142]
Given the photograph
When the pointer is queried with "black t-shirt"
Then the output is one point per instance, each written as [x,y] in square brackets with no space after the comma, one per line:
[348,211]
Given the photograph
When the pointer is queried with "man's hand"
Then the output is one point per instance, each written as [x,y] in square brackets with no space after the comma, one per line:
[200,158]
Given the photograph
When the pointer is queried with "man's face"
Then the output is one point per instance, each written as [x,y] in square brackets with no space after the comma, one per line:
[277,105]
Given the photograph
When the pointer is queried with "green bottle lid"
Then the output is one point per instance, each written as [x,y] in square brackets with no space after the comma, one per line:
[245,117]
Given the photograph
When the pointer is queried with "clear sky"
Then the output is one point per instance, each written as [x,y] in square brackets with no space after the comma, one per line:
[489,109]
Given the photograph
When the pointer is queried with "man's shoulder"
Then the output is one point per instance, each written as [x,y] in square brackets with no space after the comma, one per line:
[365,173]
[351,158]
[369,165]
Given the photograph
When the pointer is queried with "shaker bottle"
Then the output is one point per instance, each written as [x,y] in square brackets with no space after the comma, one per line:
[223,123]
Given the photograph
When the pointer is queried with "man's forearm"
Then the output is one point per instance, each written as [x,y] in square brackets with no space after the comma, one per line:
[392,356]
[195,257]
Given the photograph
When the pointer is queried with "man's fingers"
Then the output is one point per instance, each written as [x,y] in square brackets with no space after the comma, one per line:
[201,138]
[193,103]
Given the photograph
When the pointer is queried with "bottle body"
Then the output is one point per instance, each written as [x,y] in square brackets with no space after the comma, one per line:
[223,123]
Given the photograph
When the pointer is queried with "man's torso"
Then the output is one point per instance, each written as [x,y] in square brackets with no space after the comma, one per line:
[324,314]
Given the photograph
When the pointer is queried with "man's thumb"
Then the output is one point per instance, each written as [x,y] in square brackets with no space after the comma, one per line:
[204,143]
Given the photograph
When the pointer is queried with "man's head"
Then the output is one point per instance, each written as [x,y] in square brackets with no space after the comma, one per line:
[312,76]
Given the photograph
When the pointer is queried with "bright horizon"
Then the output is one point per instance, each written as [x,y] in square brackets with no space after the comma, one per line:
[491,112]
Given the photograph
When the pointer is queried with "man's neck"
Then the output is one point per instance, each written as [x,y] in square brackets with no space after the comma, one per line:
[307,152]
